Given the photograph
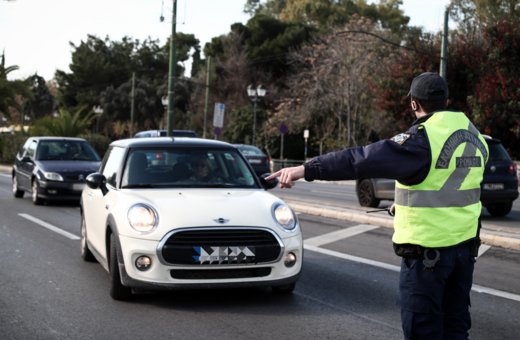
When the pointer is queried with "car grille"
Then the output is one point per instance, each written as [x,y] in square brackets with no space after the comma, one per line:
[221,246]
[207,274]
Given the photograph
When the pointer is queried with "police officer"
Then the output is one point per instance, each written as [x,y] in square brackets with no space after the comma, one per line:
[438,166]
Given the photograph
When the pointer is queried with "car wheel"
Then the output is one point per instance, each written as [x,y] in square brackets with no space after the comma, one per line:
[17,192]
[35,199]
[286,289]
[500,209]
[117,290]
[366,194]
[86,254]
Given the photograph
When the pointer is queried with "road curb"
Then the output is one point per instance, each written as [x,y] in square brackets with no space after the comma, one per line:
[489,239]
[6,167]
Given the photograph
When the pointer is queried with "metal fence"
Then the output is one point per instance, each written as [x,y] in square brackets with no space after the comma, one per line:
[279,164]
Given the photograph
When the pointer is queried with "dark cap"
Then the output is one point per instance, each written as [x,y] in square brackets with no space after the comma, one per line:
[429,86]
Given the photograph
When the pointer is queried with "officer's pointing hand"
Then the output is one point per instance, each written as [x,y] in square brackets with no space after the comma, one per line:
[288,176]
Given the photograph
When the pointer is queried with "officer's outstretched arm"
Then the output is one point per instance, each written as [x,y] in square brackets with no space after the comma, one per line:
[288,176]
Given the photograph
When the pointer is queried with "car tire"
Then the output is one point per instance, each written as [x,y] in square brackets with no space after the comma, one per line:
[286,289]
[500,209]
[34,194]
[86,254]
[17,192]
[366,194]
[117,290]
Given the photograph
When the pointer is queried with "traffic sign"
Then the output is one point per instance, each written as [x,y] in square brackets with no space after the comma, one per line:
[283,129]
[218,117]
[217,131]
[305,134]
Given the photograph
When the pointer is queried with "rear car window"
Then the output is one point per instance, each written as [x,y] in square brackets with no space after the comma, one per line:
[186,168]
[497,153]
[250,150]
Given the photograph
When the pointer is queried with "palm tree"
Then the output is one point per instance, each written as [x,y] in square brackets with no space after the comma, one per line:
[9,89]
[65,125]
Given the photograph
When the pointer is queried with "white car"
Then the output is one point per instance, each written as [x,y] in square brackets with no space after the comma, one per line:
[183,213]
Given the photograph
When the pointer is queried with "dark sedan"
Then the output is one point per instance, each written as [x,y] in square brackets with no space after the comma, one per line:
[259,161]
[53,168]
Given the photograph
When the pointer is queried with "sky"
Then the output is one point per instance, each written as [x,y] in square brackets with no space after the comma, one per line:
[36,34]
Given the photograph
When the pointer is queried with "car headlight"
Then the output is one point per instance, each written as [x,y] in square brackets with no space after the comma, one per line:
[142,218]
[53,176]
[284,216]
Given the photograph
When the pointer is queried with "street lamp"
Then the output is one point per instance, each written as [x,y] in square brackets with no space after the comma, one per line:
[255,94]
[164,101]
[98,110]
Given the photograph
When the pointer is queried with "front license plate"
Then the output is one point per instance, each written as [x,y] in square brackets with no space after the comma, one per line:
[78,187]
[224,255]
[494,186]
[255,161]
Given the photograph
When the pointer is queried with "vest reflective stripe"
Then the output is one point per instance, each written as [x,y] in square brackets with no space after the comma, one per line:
[443,210]
[449,195]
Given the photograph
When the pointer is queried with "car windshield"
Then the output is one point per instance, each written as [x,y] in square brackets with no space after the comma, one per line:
[66,150]
[250,150]
[163,167]
[497,153]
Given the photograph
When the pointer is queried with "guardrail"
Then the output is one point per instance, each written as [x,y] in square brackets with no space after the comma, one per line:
[279,164]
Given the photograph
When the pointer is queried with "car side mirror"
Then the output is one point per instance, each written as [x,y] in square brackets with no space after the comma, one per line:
[97,181]
[27,159]
[268,184]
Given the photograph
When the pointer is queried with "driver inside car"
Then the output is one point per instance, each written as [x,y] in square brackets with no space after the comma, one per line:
[201,167]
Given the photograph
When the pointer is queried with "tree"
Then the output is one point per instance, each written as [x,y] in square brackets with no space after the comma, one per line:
[10,89]
[43,103]
[240,129]
[495,103]
[65,125]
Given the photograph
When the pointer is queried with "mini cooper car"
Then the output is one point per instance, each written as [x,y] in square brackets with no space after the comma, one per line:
[183,213]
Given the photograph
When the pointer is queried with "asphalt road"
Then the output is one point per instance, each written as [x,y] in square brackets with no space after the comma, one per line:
[346,194]
[347,291]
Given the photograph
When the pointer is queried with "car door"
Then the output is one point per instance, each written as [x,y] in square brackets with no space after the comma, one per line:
[96,205]
[28,167]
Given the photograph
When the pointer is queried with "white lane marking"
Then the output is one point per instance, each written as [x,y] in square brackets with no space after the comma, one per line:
[332,193]
[476,288]
[50,226]
[496,292]
[483,248]
[339,235]
[353,258]
[4,175]
[297,213]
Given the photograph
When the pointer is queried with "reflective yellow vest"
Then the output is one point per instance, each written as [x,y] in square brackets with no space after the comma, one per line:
[443,210]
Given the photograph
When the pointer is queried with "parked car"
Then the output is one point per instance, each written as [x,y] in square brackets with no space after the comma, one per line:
[258,160]
[499,187]
[200,219]
[53,168]
[162,133]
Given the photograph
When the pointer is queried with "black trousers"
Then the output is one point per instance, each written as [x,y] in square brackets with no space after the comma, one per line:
[435,305]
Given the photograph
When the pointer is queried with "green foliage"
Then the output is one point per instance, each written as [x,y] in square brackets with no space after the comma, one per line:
[9,147]
[65,125]
[240,129]
[43,103]
[327,13]
[99,142]
[9,89]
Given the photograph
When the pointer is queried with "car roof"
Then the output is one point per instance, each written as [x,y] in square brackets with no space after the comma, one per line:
[59,138]
[169,141]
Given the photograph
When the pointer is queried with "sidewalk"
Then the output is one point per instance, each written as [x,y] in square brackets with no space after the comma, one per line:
[493,235]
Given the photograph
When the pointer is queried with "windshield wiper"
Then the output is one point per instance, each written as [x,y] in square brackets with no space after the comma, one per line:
[140,185]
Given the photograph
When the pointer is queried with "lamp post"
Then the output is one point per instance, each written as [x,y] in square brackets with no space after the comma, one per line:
[98,110]
[164,101]
[255,94]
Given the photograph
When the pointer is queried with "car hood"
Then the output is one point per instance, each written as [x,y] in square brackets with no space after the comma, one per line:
[187,208]
[69,167]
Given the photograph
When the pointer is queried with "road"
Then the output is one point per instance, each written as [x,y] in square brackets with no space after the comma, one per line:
[348,289]
[346,194]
